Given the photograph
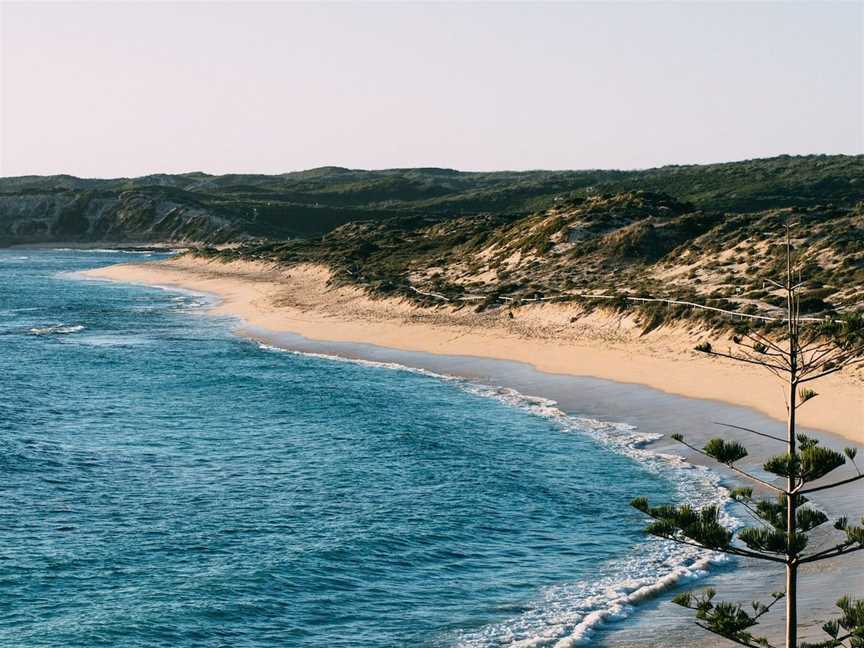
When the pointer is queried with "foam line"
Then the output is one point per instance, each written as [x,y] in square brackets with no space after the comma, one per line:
[568,615]
[57,329]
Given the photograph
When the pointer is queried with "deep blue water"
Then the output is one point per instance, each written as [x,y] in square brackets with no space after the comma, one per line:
[166,483]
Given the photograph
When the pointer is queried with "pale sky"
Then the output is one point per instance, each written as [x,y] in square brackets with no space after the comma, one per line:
[120,89]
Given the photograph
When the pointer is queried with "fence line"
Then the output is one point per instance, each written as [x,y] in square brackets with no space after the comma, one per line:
[676,302]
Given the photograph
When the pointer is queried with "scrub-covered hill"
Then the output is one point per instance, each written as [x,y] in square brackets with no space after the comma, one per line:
[201,208]
[625,244]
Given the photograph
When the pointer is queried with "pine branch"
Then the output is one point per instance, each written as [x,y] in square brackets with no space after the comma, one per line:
[745,429]
[839,550]
[727,620]
[763,346]
[845,364]
[764,483]
[774,283]
[731,356]
[730,550]
[754,513]
[834,485]
[740,642]
[818,357]
[762,339]
[697,528]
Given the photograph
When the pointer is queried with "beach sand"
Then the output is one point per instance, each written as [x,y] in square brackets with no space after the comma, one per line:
[554,338]
[597,366]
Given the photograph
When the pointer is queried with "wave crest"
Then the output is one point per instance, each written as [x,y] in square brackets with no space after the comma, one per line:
[57,329]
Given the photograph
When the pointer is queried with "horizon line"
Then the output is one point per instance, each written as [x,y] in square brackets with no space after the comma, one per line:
[429,168]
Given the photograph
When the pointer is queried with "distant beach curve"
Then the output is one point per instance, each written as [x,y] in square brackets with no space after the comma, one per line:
[554,338]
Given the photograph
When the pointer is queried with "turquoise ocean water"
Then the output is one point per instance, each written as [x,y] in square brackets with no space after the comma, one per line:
[167,483]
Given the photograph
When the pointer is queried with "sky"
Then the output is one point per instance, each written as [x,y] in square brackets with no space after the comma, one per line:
[114,89]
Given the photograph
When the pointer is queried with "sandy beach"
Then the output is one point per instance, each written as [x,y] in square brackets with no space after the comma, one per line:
[558,352]
[554,338]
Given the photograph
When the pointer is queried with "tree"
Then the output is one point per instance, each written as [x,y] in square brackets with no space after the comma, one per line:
[802,352]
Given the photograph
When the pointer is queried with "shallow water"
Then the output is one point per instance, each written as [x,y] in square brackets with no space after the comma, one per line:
[168,483]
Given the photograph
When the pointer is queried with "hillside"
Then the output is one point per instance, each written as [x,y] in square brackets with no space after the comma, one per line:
[633,243]
[201,208]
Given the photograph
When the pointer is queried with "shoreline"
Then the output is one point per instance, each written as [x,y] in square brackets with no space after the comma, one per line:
[553,338]
[255,290]
[658,623]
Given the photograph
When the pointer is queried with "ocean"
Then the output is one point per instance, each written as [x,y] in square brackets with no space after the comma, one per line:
[166,482]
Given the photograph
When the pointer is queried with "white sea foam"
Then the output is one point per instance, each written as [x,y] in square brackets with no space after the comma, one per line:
[119,340]
[568,615]
[190,300]
[106,251]
[57,329]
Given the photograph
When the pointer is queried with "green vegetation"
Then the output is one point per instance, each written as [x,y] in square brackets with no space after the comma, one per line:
[703,234]
[196,207]
[607,251]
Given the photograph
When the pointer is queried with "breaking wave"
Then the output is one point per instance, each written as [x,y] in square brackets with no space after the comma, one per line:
[567,615]
[57,329]
[145,253]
